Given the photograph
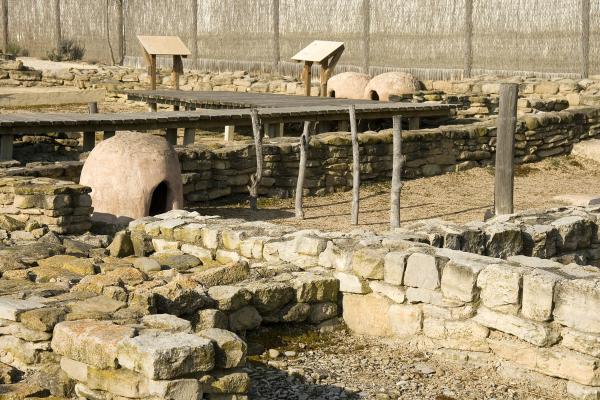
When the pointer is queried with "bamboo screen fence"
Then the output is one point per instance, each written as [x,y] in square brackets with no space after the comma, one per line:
[431,38]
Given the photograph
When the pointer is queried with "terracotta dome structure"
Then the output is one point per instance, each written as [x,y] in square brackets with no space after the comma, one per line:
[132,175]
[388,84]
[347,85]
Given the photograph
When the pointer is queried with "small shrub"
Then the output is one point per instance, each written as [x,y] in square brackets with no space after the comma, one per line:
[16,49]
[68,50]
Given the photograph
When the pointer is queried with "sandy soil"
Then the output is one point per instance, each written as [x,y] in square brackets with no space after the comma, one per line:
[459,197]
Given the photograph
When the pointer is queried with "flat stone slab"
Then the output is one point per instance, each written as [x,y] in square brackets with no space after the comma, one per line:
[11,308]
[37,96]
[580,200]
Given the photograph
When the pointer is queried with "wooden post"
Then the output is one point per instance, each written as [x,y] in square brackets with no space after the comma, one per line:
[505,143]
[177,69]
[57,24]
[366,34]
[229,133]
[189,134]
[468,43]
[257,177]
[153,72]
[171,136]
[324,77]
[304,142]
[398,162]
[5,25]
[194,30]
[414,123]
[355,167]
[120,32]
[89,138]
[307,77]
[6,147]
[585,38]
[276,51]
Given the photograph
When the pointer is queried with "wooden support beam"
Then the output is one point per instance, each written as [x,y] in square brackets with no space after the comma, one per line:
[304,143]
[89,138]
[171,136]
[307,77]
[120,32]
[153,72]
[57,23]
[5,36]
[585,38]
[229,133]
[324,77]
[194,29]
[276,50]
[355,167]
[366,35]
[414,123]
[177,70]
[189,134]
[6,147]
[258,146]
[468,39]
[397,163]
[505,144]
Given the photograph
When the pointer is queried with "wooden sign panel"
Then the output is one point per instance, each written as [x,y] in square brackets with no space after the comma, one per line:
[318,51]
[164,45]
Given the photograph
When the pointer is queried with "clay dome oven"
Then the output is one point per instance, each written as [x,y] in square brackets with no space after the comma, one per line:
[132,175]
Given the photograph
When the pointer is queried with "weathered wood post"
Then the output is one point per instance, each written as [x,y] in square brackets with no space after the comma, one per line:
[189,134]
[398,162]
[6,147]
[468,39]
[57,23]
[304,143]
[5,26]
[257,177]
[505,143]
[355,166]
[307,77]
[171,136]
[120,32]
[89,138]
[366,35]
[585,38]
[194,29]
[276,50]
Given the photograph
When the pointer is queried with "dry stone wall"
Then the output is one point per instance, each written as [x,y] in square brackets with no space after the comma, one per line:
[524,312]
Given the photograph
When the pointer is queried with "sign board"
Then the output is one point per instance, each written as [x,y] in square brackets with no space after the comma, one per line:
[318,51]
[164,45]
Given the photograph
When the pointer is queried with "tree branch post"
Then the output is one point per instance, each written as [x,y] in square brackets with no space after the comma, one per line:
[355,166]
[257,177]
[398,163]
[309,127]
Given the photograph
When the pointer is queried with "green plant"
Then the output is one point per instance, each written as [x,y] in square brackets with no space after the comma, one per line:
[16,49]
[67,50]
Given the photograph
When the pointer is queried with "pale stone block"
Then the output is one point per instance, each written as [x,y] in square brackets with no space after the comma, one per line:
[423,271]
[309,245]
[394,293]
[394,266]
[74,369]
[336,257]
[539,334]
[350,283]
[449,313]
[587,343]
[201,253]
[313,288]
[405,320]
[367,314]
[161,245]
[166,356]
[368,263]
[538,294]
[230,348]
[11,308]
[211,238]
[500,286]
[232,239]
[459,279]
[167,322]
[577,304]
[583,392]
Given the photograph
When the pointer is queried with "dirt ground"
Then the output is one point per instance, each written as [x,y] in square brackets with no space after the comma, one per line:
[458,197]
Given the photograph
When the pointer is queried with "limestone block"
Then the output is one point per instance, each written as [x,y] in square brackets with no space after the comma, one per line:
[173,298]
[163,245]
[500,286]
[252,247]
[322,311]
[201,253]
[74,369]
[313,288]
[464,330]
[336,256]
[121,246]
[120,382]
[538,294]
[405,320]
[393,267]
[536,333]
[583,392]
[226,383]
[394,293]
[503,240]
[146,264]
[449,313]
[309,245]
[167,322]
[166,356]
[210,318]
[576,304]
[43,319]
[540,240]
[368,263]
[91,342]
[230,298]
[459,279]
[423,271]
[11,308]
[245,318]
[268,296]
[231,238]
[574,232]
[190,233]
[587,343]
[230,348]
[350,283]
[177,389]
[367,314]
[20,331]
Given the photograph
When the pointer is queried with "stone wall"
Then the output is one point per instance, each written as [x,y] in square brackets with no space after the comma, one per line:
[212,173]
[525,313]
[32,206]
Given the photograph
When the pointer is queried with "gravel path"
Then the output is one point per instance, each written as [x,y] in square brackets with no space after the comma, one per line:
[338,365]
